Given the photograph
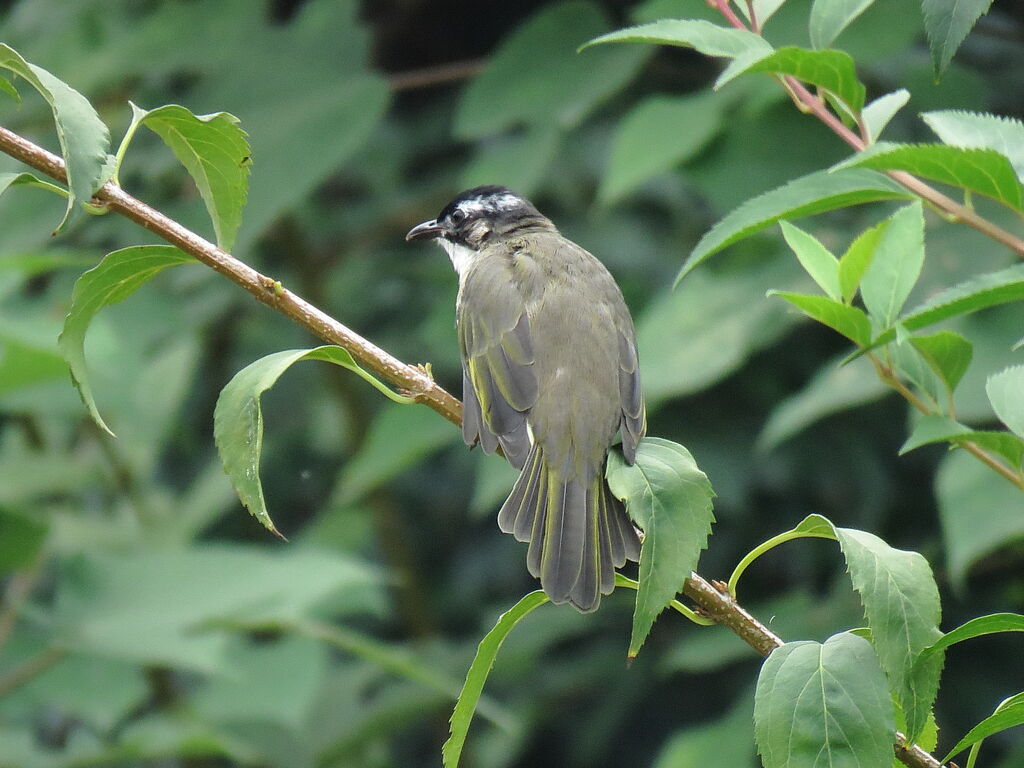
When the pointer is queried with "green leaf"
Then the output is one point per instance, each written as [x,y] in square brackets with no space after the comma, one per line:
[114,279]
[517,85]
[238,418]
[703,36]
[1003,718]
[164,606]
[851,322]
[815,193]
[84,139]
[478,672]
[947,22]
[984,171]
[901,604]
[397,439]
[832,71]
[8,180]
[963,485]
[959,128]
[830,17]
[668,496]
[214,151]
[729,738]
[941,429]
[857,258]
[910,364]
[948,353]
[658,134]
[834,388]
[520,162]
[1006,393]
[878,113]
[710,325]
[819,262]
[10,90]
[972,295]
[896,265]
[823,704]
[982,625]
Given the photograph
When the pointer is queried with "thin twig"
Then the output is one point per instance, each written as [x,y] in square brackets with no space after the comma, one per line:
[30,669]
[716,603]
[809,103]
[438,75]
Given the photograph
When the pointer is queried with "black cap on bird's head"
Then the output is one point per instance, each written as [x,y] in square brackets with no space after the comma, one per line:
[478,214]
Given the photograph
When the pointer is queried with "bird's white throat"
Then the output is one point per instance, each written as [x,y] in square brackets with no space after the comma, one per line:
[460,255]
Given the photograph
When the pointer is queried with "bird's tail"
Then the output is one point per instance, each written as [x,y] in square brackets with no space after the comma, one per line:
[578,532]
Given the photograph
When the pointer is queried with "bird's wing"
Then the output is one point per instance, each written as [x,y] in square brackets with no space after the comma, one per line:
[499,381]
[634,415]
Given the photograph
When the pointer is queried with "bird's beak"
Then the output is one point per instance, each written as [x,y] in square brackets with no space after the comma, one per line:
[425,231]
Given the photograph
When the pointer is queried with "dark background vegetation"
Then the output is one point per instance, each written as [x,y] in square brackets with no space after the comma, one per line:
[357,135]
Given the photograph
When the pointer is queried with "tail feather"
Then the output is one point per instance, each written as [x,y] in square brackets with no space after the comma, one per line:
[564,531]
[585,592]
[516,514]
[578,532]
[608,563]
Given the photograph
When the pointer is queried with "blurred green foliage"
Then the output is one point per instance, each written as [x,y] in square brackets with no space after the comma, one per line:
[177,632]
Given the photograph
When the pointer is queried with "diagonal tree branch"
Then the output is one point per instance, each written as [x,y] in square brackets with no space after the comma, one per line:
[714,602]
[263,288]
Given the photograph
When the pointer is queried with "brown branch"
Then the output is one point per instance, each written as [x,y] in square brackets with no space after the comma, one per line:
[437,75]
[263,288]
[809,103]
[717,604]
[34,666]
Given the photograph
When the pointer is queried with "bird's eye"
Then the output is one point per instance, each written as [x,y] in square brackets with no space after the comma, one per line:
[458,216]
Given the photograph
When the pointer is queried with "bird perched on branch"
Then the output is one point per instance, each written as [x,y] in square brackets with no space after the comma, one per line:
[550,375]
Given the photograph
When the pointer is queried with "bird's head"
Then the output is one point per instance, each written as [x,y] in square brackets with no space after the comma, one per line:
[477,218]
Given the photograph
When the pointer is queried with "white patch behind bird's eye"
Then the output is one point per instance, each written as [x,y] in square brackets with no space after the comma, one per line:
[477,206]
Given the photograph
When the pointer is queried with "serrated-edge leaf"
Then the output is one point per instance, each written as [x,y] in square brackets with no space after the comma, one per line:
[947,23]
[878,113]
[960,128]
[901,604]
[830,17]
[116,277]
[8,180]
[703,36]
[669,497]
[238,418]
[1006,393]
[84,138]
[851,322]
[896,265]
[815,193]
[823,704]
[972,295]
[816,259]
[980,170]
[477,675]
[1000,720]
[215,152]
[977,627]
[833,71]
